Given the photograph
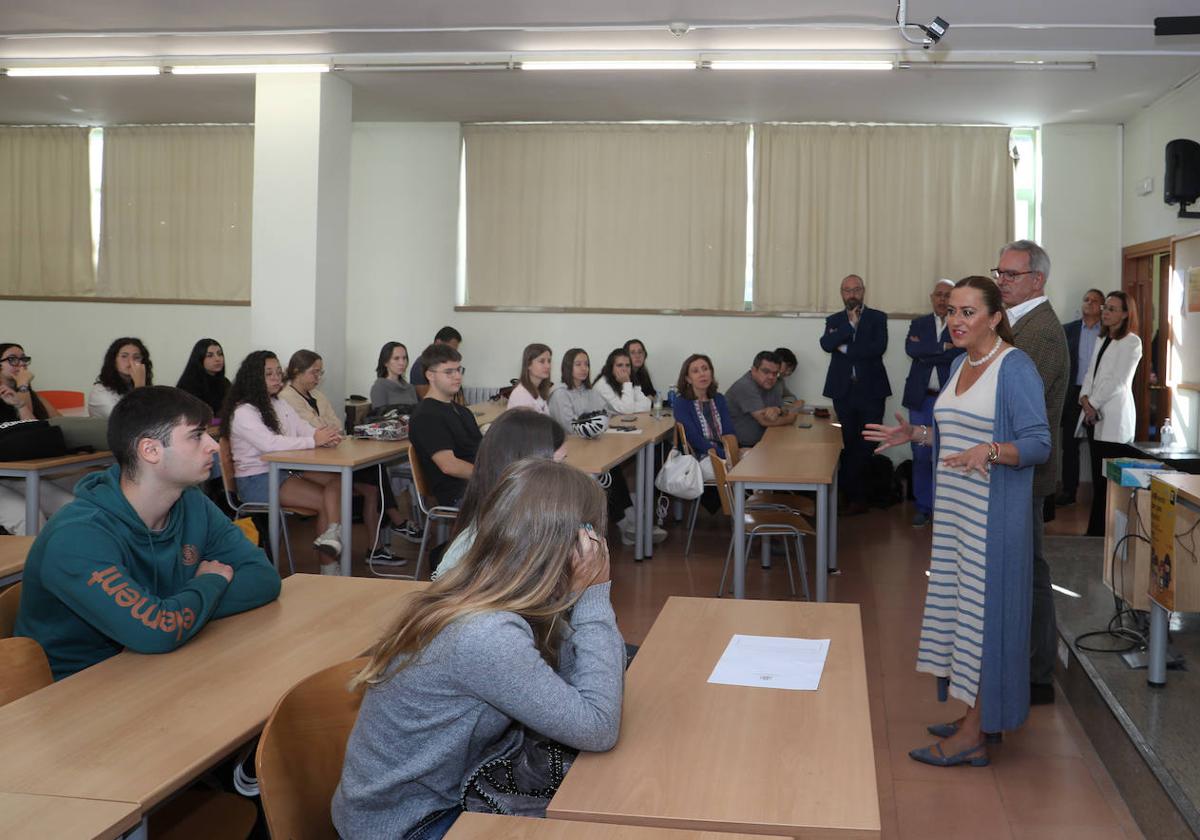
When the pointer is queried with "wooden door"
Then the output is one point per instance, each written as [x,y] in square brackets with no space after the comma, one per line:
[1145,277]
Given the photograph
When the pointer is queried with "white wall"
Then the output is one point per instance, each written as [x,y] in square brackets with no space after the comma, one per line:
[1081,212]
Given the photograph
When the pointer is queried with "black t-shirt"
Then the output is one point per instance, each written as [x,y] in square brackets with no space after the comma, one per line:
[436,426]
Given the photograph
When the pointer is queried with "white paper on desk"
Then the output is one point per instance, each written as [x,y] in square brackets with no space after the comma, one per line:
[772,662]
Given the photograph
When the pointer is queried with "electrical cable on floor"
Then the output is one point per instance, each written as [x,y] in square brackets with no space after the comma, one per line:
[1137,635]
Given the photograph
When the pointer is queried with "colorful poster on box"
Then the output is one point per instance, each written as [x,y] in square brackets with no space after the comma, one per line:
[1162,544]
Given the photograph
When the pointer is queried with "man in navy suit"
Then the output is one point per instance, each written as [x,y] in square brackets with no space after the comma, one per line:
[1081,341]
[929,346]
[857,382]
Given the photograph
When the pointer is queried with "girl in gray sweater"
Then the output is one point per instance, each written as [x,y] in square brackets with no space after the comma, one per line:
[486,645]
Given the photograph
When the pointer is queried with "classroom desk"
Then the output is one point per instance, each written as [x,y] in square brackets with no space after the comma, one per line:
[13,551]
[34,471]
[494,827]
[349,455]
[137,728]
[487,412]
[27,815]
[728,758]
[791,458]
[1184,594]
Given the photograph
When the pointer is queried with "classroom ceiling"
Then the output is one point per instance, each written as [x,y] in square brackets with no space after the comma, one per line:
[1132,67]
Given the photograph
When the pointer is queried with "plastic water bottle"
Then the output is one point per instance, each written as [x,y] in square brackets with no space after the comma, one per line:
[671,397]
[657,409]
[1166,434]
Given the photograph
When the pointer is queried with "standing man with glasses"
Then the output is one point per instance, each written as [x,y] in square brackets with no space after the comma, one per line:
[444,433]
[1022,274]
[857,382]
[1081,341]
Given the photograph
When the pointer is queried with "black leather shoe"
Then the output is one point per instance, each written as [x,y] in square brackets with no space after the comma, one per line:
[1063,500]
[1041,694]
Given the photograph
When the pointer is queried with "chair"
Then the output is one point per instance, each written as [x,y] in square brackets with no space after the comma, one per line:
[301,751]
[764,522]
[23,668]
[435,513]
[241,508]
[62,400]
[681,441]
[768,498]
[10,602]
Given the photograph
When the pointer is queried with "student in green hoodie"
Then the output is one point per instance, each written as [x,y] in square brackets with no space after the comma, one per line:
[141,559]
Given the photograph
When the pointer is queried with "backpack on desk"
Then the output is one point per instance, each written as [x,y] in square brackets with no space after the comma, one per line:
[27,440]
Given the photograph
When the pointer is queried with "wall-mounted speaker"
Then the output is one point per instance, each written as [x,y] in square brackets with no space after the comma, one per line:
[1181,184]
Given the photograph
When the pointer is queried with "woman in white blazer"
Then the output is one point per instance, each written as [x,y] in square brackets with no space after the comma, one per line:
[1108,416]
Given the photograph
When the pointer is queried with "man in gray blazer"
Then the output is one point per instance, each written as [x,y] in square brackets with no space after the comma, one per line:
[1022,274]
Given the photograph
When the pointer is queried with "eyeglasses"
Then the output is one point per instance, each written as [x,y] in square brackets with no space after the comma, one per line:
[17,360]
[998,274]
[456,371]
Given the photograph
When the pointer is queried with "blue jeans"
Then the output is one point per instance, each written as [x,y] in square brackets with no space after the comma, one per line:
[434,826]
[254,488]
[922,472]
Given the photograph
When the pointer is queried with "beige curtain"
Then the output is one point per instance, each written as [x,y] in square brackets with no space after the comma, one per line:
[177,204]
[606,216]
[45,217]
[899,205]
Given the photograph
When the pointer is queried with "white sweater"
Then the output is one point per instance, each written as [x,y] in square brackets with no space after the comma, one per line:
[630,401]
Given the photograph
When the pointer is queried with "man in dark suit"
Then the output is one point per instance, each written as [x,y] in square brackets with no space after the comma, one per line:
[1081,341]
[1022,273]
[929,346]
[857,382]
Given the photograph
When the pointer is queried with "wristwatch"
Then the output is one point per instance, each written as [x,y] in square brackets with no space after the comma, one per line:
[22,389]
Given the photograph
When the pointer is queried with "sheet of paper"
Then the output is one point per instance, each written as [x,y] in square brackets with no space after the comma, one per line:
[772,662]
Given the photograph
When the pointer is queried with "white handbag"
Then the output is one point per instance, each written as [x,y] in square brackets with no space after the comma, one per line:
[680,476]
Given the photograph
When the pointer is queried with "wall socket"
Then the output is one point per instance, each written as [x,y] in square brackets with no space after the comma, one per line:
[1145,186]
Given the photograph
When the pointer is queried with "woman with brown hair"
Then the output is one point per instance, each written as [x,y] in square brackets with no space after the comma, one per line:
[533,388]
[989,431]
[486,645]
[702,411]
[1108,415]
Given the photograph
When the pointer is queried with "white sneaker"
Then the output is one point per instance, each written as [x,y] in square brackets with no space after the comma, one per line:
[660,534]
[330,543]
[331,569]
[628,529]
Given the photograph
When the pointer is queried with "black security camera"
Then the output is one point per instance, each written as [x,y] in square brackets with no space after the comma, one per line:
[935,30]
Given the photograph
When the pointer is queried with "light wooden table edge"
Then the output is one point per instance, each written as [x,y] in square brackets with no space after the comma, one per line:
[118,828]
[681,824]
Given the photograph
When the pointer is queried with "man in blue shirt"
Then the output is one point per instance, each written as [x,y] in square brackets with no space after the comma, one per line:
[1081,342]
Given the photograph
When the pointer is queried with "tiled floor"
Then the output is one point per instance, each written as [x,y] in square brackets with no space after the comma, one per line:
[1045,780]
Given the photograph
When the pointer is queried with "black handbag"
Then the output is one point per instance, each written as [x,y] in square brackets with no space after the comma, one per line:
[27,440]
[518,776]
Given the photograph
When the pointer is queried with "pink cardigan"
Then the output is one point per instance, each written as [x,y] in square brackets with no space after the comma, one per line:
[250,437]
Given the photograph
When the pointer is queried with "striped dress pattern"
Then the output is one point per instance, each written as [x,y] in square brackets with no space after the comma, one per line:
[951,644]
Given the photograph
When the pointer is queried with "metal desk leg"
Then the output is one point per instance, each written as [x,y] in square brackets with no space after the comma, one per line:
[825,524]
[739,536]
[1156,673]
[273,515]
[33,503]
[639,506]
[764,552]
[347,475]
[833,521]
[649,508]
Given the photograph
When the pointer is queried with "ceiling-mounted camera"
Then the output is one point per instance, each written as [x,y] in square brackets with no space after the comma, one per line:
[932,33]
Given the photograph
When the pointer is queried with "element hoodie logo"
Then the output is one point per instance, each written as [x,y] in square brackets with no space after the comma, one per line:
[151,615]
[190,555]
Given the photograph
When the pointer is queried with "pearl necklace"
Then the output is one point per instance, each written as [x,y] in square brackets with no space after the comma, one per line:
[983,361]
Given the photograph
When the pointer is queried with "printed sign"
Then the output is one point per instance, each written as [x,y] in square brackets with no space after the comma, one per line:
[1162,544]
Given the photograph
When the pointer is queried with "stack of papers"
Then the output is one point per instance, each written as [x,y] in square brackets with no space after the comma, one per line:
[772,662]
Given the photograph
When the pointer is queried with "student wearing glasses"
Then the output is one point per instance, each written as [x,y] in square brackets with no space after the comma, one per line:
[126,366]
[443,433]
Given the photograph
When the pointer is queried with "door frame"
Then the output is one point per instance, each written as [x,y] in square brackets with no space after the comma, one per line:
[1137,263]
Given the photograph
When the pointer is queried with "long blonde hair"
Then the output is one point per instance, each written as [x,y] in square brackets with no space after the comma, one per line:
[520,562]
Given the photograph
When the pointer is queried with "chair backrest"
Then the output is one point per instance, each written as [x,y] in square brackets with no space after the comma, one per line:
[681,439]
[23,668]
[62,399]
[10,602]
[227,480]
[301,751]
[720,478]
[732,451]
[419,482]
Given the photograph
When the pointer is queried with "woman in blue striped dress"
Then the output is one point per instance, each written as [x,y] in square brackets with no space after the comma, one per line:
[989,431]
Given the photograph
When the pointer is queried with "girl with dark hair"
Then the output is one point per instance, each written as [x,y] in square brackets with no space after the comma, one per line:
[615,385]
[256,421]
[521,631]
[989,431]
[513,436]
[126,366]
[391,389]
[639,374]
[702,411]
[1108,415]
[533,388]
[204,374]
[575,395]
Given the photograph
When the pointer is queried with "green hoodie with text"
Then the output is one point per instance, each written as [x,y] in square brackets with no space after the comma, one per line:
[98,580]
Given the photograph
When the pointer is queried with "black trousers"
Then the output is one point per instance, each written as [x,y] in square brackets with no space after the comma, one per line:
[1100,449]
[854,411]
[1070,444]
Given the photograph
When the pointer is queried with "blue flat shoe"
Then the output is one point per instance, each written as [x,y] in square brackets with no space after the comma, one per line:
[949,730]
[976,756]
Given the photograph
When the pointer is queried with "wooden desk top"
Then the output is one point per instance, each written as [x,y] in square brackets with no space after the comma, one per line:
[13,551]
[1188,485]
[487,411]
[789,454]
[493,827]
[27,815]
[601,454]
[729,758]
[60,461]
[135,728]
[351,452]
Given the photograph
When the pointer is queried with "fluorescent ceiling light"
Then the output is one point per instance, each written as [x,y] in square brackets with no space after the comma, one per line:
[226,69]
[610,64]
[114,70]
[798,64]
